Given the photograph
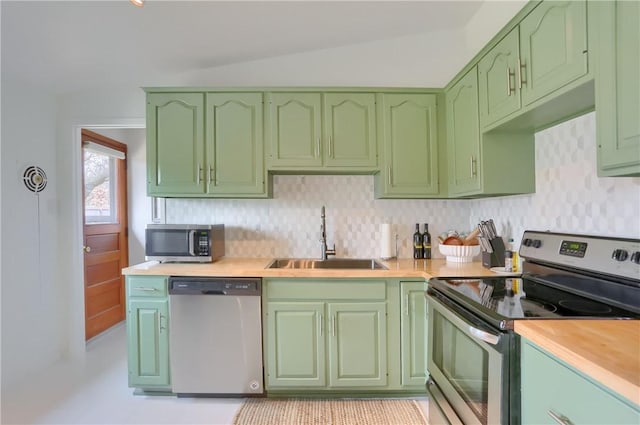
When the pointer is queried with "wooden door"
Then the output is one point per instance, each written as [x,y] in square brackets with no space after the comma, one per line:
[105,232]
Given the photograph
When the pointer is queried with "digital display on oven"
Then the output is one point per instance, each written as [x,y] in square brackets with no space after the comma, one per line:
[573,249]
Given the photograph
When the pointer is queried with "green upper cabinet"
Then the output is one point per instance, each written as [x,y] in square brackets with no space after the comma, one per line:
[463,136]
[294,124]
[234,145]
[350,130]
[229,162]
[175,144]
[617,36]
[497,80]
[536,60]
[320,132]
[553,48]
[409,132]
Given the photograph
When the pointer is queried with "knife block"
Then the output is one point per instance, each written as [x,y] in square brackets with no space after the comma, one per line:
[495,258]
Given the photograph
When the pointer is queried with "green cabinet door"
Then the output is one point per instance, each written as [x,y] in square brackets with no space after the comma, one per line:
[235,159]
[618,87]
[463,136]
[409,167]
[295,344]
[553,48]
[413,323]
[175,144]
[357,344]
[148,342]
[497,80]
[551,387]
[294,130]
[350,130]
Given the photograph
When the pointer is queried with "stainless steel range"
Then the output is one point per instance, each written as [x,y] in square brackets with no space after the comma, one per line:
[473,364]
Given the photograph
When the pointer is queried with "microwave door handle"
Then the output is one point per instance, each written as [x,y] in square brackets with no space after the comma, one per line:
[192,236]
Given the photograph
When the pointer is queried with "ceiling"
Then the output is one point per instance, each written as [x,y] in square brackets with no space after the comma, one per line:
[73,45]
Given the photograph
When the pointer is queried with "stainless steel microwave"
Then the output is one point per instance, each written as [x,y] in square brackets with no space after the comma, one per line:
[188,243]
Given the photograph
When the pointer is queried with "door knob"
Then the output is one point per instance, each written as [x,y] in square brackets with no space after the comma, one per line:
[86,249]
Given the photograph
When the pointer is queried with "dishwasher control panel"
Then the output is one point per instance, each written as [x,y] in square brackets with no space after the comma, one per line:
[186,285]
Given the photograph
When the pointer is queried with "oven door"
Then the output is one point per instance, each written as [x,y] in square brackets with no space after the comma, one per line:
[468,361]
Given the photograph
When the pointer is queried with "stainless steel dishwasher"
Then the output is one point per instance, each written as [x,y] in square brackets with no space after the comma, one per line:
[215,340]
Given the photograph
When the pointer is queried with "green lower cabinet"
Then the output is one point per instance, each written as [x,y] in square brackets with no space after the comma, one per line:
[357,344]
[148,332]
[413,324]
[617,38]
[296,346]
[551,388]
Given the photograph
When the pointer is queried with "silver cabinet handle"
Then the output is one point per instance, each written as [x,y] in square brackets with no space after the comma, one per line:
[199,176]
[406,306]
[509,75]
[160,327]
[484,336]
[333,325]
[330,147]
[561,419]
[389,175]
[321,325]
[474,170]
[144,288]
[212,175]
[521,79]
[318,148]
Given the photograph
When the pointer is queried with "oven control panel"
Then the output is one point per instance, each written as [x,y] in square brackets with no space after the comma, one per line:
[614,256]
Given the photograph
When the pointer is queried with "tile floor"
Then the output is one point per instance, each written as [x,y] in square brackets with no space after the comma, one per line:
[94,391]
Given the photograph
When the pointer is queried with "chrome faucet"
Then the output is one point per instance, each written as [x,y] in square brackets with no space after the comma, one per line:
[323,234]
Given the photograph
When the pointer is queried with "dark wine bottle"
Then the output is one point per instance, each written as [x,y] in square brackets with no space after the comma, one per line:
[417,243]
[426,242]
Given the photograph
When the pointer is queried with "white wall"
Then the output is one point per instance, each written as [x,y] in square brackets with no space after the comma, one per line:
[33,300]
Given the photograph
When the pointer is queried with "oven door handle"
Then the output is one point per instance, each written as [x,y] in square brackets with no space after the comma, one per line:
[487,337]
[473,330]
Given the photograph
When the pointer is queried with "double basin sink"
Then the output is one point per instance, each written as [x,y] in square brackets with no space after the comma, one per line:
[333,263]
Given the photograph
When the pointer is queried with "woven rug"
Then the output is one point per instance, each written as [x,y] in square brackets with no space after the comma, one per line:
[264,411]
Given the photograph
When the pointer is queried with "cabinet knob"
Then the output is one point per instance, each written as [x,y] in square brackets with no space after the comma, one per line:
[86,249]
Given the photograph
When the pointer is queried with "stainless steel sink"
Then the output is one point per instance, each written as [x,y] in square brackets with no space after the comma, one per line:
[333,263]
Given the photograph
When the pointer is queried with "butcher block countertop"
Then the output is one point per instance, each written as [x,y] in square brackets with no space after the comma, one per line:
[256,267]
[606,350]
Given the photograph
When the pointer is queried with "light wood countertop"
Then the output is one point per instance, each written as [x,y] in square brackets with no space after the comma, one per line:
[606,350]
[256,267]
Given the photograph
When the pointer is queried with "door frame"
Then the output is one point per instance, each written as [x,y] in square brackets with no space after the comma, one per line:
[77,345]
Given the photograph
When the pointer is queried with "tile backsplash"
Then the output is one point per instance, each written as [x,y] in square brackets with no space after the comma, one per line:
[569,197]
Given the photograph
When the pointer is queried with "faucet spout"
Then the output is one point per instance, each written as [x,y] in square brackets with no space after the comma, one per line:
[323,237]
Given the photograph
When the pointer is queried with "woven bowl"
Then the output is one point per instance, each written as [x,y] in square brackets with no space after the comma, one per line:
[459,254]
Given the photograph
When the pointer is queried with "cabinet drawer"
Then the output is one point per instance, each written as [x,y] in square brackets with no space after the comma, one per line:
[327,290]
[551,387]
[146,286]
